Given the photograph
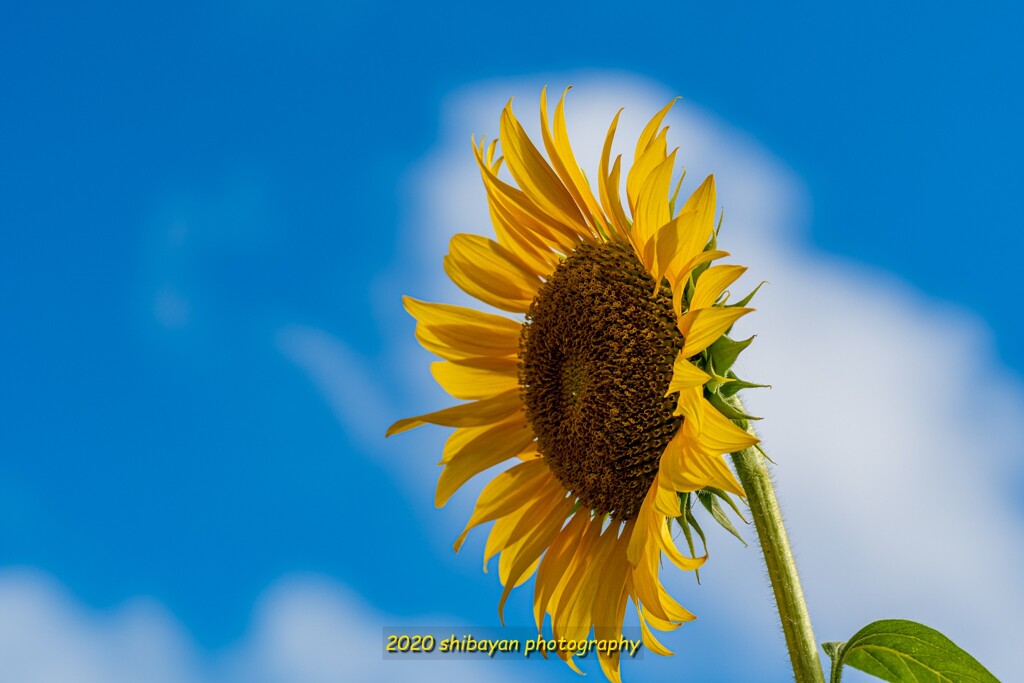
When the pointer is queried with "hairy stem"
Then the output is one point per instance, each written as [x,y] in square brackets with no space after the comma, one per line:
[778,557]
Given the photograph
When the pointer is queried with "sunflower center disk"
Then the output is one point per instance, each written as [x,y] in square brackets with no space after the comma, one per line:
[596,357]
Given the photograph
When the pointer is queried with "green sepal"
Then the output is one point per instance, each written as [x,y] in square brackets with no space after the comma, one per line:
[903,651]
[710,502]
[697,272]
[726,408]
[746,300]
[732,387]
[684,499]
[675,195]
[713,242]
[729,500]
[686,520]
[724,352]
[688,524]
[709,498]
[692,522]
[764,453]
[688,289]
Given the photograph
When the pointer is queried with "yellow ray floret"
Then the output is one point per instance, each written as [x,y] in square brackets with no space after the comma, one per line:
[488,271]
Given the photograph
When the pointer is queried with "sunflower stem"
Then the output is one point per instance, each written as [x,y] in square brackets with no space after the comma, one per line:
[778,557]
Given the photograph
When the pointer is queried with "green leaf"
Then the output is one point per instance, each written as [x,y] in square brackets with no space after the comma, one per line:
[902,651]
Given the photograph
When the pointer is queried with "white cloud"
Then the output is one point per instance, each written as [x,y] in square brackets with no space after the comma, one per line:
[309,629]
[893,427]
[47,637]
[305,629]
[343,379]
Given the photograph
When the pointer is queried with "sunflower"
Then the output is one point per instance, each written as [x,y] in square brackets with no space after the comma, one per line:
[611,390]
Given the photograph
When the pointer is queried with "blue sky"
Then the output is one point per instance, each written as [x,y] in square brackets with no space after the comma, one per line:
[209,213]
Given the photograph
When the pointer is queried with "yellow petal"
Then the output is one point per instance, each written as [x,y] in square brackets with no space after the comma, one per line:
[564,161]
[686,466]
[522,560]
[542,521]
[491,150]
[648,589]
[533,174]
[533,249]
[575,609]
[638,530]
[442,315]
[610,608]
[651,211]
[712,282]
[487,448]
[524,211]
[456,332]
[522,577]
[684,237]
[512,528]
[719,434]
[612,587]
[668,547]
[650,642]
[703,327]
[567,593]
[644,553]
[488,271]
[685,375]
[678,279]
[475,414]
[643,166]
[666,505]
[475,378]
[556,560]
[691,406]
[650,151]
[660,624]
[508,491]
[530,453]
[648,133]
[608,184]
[498,538]
[451,346]
[657,249]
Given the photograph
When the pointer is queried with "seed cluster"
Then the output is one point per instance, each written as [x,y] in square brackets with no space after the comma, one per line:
[596,354]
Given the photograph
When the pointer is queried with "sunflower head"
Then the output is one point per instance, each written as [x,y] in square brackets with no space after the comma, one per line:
[610,389]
